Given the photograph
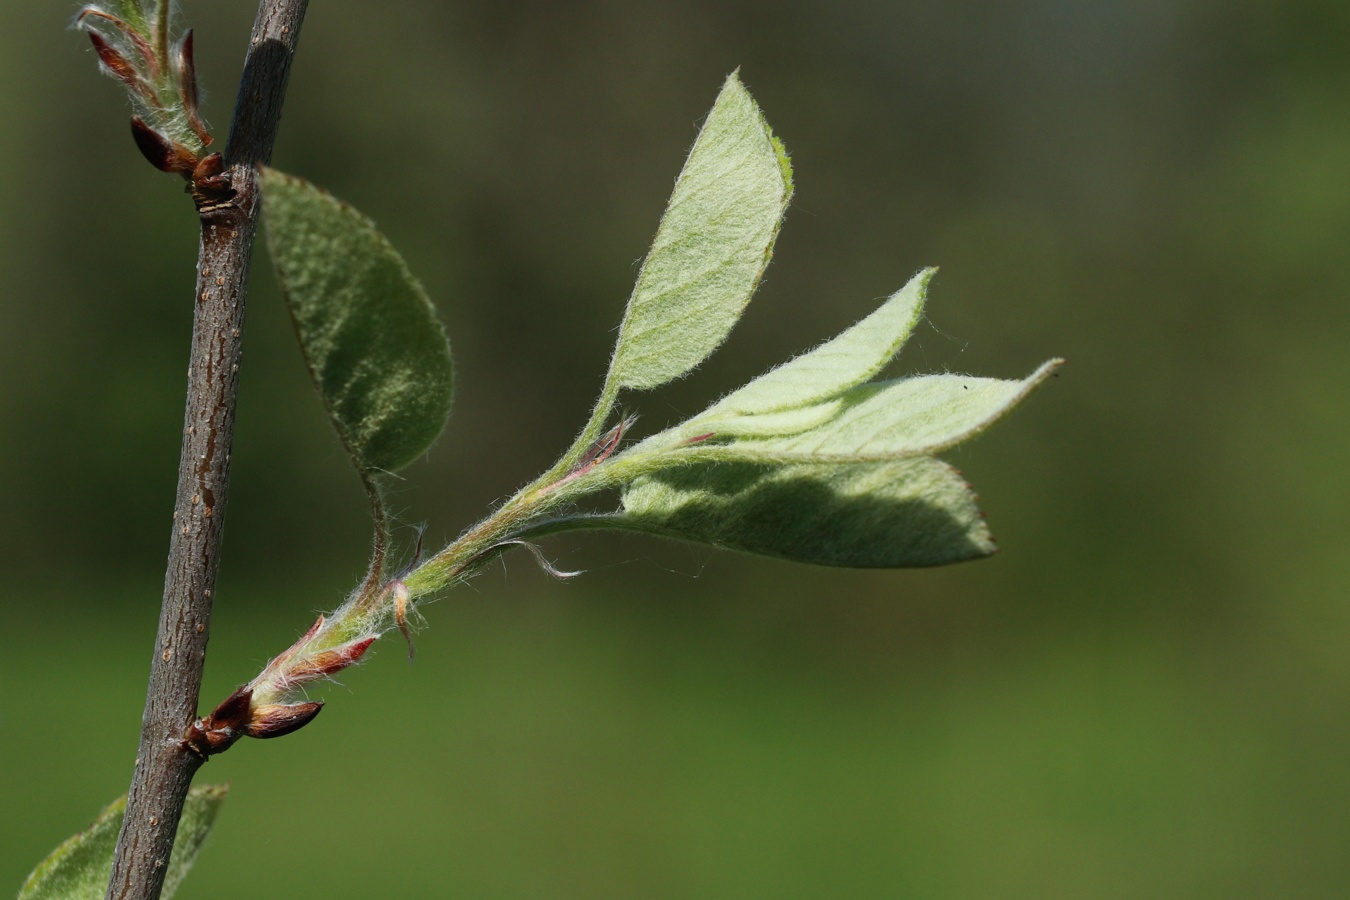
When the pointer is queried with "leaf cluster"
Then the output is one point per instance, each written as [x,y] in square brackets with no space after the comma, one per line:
[134,46]
[815,461]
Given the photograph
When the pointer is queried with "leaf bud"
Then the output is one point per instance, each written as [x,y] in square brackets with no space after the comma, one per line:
[118,66]
[185,67]
[326,663]
[277,719]
[225,725]
[160,152]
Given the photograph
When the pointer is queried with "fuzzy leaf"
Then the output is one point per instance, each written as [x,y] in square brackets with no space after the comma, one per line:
[911,512]
[141,12]
[885,420]
[376,350]
[794,420]
[711,248]
[847,361]
[79,868]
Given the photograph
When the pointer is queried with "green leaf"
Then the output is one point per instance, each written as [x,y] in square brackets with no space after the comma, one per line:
[847,361]
[376,351]
[911,512]
[79,868]
[771,424]
[135,13]
[885,420]
[711,248]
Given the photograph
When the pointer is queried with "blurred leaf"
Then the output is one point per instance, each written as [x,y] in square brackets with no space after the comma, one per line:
[376,351]
[837,365]
[79,868]
[711,248]
[911,512]
[886,420]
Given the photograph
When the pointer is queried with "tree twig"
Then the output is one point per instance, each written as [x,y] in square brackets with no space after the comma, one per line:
[164,764]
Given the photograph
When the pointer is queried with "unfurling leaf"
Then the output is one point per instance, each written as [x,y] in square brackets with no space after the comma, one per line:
[711,248]
[79,868]
[376,351]
[812,462]
[846,361]
[883,420]
[131,39]
[909,512]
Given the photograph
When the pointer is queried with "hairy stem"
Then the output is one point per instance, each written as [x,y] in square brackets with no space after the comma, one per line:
[528,514]
[164,764]
[161,34]
[599,418]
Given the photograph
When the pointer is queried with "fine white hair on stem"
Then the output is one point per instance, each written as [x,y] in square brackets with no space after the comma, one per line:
[541,559]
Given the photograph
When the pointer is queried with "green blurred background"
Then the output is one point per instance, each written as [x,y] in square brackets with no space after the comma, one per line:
[1144,695]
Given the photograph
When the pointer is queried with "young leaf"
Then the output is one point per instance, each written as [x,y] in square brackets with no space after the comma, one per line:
[846,361]
[910,512]
[793,420]
[711,248]
[79,868]
[376,351]
[885,420]
[132,43]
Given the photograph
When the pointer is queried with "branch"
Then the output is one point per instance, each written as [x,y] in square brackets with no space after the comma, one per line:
[164,764]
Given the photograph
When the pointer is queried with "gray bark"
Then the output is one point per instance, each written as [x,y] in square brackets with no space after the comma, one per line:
[165,765]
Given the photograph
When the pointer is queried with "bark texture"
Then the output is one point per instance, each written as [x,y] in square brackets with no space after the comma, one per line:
[164,764]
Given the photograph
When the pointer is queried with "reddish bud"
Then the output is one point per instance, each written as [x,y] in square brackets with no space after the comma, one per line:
[186,69]
[236,717]
[597,453]
[117,63]
[318,623]
[136,38]
[223,726]
[211,188]
[211,166]
[206,741]
[119,67]
[277,719]
[232,711]
[604,446]
[328,662]
[159,151]
[290,651]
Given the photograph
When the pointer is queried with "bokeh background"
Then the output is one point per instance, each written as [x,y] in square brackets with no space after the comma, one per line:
[1144,695]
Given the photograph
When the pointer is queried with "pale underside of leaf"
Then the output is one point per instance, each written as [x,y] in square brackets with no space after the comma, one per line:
[853,357]
[375,348]
[79,868]
[711,247]
[884,420]
[903,513]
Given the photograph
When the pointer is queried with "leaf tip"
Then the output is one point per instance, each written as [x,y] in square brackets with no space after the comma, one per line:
[734,84]
[784,163]
[919,284]
[1048,369]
